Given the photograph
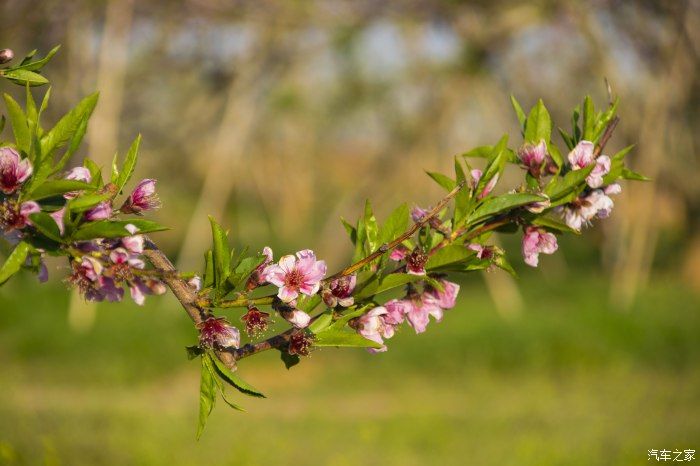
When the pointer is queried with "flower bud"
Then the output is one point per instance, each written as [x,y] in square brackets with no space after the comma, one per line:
[142,198]
[13,170]
[101,211]
[339,291]
[6,55]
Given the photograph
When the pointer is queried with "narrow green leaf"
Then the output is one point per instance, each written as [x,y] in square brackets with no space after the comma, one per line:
[446,182]
[496,205]
[345,338]
[46,225]
[87,201]
[449,255]
[68,125]
[289,360]
[486,152]
[58,187]
[588,119]
[114,229]
[38,64]
[18,120]
[24,77]
[387,283]
[14,261]
[222,253]
[518,111]
[538,125]
[207,396]
[352,231]
[208,278]
[463,196]
[129,163]
[553,224]
[234,380]
[631,175]
[371,229]
[395,224]
[322,322]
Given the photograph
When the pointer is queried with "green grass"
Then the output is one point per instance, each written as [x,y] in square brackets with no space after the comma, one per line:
[571,381]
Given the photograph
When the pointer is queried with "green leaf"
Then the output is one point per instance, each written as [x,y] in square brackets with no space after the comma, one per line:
[243,270]
[68,125]
[553,224]
[322,322]
[129,164]
[289,360]
[486,152]
[463,196]
[538,125]
[604,119]
[234,380]
[308,303]
[46,225]
[371,229]
[628,174]
[208,278]
[449,255]
[114,229]
[346,338]
[58,187]
[87,201]
[38,64]
[395,224]
[495,205]
[496,164]
[222,253]
[446,182]
[588,119]
[561,188]
[14,261]
[207,396]
[387,283]
[518,111]
[24,77]
[18,120]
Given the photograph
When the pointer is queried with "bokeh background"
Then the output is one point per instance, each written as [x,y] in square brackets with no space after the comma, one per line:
[278,117]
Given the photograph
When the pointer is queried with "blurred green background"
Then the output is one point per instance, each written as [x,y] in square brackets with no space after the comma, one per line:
[278,117]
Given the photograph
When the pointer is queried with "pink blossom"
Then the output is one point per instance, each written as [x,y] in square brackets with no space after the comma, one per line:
[482,252]
[447,297]
[195,283]
[25,210]
[533,156]
[77,174]
[13,170]
[476,177]
[398,253]
[602,168]
[614,188]
[139,288]
[294,275]
[142,198]
[297,318]
[101,211]
[256,279]
[415,262]
[339,291]
[134,243]
[57,216]
[373,327]
[420,309]
[120,256]
[396,309]
[586,208]
[536,241]
[417,214]
[218,333]
[581,156]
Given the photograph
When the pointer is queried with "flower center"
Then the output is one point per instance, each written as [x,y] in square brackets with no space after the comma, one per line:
[293,279]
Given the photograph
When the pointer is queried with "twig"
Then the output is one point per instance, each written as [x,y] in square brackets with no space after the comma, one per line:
[606,136]
[384,248]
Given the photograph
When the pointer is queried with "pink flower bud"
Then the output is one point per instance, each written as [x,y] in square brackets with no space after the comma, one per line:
[339,291]
[142,198]
[6,55]
[101,211]
[398,253]
[536,241]
[77,174]
[532,157]
[13,170]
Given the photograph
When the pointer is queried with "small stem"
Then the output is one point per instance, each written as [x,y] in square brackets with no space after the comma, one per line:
[239,302]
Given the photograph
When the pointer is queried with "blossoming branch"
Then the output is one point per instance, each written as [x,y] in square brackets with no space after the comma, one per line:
[401,271]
